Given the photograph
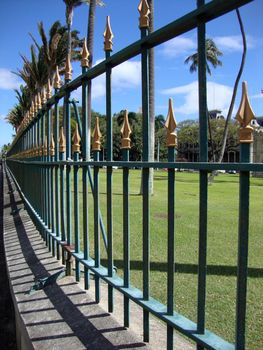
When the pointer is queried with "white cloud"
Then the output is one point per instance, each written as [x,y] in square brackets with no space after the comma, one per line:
[257,96]
[2,117]
[125,76]
[218,97]
[179,46]
[233,42]
[8,80]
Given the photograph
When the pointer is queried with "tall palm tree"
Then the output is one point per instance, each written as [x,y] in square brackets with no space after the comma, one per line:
[34,71]
[54,47]
[70,5]
[212,54]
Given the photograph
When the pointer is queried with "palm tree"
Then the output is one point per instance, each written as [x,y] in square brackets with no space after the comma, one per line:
[132,116]
[34,71]
[70,5]
[212,54]
[54,47]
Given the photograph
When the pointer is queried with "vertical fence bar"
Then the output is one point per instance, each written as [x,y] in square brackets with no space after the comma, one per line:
[68,75]
[144,27]
[62,147]
[244,115]
[57,158]
[76,150]
[53,226]
[171,143]
[85,152]
[125,146]
[108,48]
[203,181]
[96,152]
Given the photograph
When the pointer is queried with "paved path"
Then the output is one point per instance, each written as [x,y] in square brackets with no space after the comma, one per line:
[7,321]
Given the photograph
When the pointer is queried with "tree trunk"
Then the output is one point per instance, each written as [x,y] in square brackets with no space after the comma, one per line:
[229,114]
[90,45]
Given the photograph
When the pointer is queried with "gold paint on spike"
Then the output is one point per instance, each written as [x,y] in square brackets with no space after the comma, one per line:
[49,89]
[85,55]
[96,136]
[40,150]
[62,140]
[39,101]
[170,124]
[144,10]
[57,80]
[52,146]
[108,36]
[68,69]
[45,147]
[244,116]
[76,140]
[43,96]
[125,132]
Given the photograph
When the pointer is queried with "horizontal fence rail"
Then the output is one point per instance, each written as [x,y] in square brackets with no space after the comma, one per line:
[52,168]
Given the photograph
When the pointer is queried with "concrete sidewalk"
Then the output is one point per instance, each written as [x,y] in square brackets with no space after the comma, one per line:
[7,316]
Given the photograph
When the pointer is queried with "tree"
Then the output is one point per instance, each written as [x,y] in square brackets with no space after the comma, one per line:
[90,45]
[54,46]
[212,54]
[233,98]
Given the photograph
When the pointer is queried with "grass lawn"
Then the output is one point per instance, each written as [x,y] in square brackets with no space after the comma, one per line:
[222,246]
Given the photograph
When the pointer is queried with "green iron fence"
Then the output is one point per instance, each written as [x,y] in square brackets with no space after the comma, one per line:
[42,154]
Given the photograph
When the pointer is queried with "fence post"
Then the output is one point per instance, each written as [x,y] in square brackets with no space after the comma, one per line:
[144,27]
[125,146]
[244,115]
[96,152]
[171,142]
[108,36]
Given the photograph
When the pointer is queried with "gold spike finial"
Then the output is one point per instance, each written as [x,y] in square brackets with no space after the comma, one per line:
[125,132]
[45,147]
[170,125]
[108,36]
[62,140]
[49,89]
[144,10]
[43,96]
[57,80]
[52,146]
[85,55]
[96,136]
[68,69]
[244,116]
[76,141]
[39,101]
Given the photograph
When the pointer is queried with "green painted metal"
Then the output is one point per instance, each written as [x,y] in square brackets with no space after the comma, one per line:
[51,206]
[76,215]
[145,184]
[126,236]
[242,263]
[96,227]
[203,181]
[109,181]
[171,245]
[83,136]
[57,158]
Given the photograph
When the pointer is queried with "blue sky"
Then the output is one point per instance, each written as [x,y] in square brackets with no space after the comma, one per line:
[18,18]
